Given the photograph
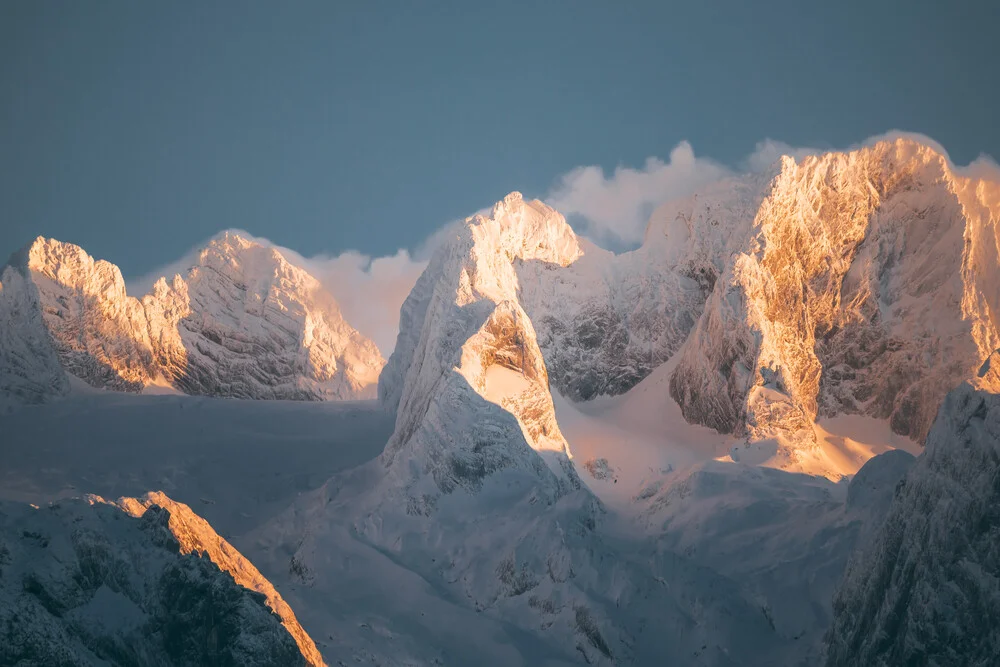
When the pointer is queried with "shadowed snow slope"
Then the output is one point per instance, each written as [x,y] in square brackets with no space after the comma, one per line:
[87,584]
[925,591]
[243,322]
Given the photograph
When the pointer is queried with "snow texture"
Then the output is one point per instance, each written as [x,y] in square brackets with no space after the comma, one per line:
[925,590]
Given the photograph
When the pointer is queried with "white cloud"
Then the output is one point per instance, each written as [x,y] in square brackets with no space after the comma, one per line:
[370,290]
[615,209]
[769,152]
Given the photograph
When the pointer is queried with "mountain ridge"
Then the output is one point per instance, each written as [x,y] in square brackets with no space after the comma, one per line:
[242,322]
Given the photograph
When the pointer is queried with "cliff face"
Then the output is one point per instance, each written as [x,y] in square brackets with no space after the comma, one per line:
[867,284]
[242,323]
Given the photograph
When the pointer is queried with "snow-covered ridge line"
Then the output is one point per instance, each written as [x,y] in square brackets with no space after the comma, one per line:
[242,322]
[84,583]
[864,282]
[195,535]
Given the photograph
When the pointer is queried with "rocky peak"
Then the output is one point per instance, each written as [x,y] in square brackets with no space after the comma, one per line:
[865,285]
[241,322]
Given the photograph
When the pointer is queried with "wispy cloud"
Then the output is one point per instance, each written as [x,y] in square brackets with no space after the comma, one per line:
[614,209]
[370,290]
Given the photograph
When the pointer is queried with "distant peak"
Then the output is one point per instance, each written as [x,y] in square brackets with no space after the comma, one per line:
[511,202]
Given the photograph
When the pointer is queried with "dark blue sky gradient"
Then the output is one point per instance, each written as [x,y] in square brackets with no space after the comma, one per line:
[138,129]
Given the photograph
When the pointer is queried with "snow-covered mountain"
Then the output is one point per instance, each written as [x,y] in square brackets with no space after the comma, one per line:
[850,283]
[243,323]
[925,589]
[84,583]
[475,490]
[868,284]
[573,468]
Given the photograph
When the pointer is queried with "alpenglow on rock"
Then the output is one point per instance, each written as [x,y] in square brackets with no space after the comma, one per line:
[84,583]
[867,284]
[242,323]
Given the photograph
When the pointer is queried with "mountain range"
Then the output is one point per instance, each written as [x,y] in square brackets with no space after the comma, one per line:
[241,323]
[691,452]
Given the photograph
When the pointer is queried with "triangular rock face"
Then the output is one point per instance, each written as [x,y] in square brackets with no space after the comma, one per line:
[242,323]
[924,591]
[195,535]
[84,583]
[467,377]
[867,284]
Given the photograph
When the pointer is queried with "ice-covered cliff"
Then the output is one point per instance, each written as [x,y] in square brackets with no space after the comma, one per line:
[242,322]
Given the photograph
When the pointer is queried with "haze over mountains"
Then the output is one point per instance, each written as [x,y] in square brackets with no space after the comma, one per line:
[656,455]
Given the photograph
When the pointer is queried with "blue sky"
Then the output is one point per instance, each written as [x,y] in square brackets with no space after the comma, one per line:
[139,129]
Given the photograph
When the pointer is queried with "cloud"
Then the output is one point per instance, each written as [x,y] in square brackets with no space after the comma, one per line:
[615,209]
[768,152]
[370,290]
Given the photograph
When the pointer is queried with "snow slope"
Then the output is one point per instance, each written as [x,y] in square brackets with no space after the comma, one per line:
[243,322]
[83,583]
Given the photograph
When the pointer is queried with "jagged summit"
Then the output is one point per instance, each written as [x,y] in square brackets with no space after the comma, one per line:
[861,282]
[466,346]
[240,322]
[867,284]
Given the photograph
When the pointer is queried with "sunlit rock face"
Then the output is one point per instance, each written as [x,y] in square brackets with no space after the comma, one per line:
[868,284]
[924,591]
[85,583]
[242,323]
